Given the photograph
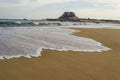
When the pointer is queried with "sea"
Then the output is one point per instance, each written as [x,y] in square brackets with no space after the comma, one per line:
[27,38]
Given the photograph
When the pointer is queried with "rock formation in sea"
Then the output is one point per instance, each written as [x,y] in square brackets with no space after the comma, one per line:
[68,16]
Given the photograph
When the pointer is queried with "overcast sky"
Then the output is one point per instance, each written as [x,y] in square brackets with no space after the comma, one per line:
[41,9]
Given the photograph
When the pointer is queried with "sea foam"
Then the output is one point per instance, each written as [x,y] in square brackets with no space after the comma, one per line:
[29,41]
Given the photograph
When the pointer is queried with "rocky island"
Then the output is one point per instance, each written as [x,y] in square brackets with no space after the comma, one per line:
[71,16]
[68,16]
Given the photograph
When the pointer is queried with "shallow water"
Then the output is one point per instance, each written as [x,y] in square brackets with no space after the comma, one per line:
[29,41]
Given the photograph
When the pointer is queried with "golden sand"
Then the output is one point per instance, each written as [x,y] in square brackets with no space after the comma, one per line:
[54,65]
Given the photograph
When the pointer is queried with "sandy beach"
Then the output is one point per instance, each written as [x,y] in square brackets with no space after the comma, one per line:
[55,65]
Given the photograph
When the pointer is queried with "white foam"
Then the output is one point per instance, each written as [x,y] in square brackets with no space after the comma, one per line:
[29,42]
[94,25]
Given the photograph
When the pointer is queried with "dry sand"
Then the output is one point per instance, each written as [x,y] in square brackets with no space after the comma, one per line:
[54,65]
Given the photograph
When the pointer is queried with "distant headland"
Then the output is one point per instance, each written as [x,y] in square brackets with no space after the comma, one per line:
[71,16]
[67,16]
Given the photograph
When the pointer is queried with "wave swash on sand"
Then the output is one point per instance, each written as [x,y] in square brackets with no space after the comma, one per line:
[29,41]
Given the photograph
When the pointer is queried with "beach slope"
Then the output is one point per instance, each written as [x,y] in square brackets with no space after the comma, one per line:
[55,65]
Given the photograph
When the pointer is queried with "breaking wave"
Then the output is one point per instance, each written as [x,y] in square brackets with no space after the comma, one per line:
[40,23]
[19,23]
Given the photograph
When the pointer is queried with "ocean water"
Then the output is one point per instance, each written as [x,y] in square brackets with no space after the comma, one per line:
[41,23]
[28,41]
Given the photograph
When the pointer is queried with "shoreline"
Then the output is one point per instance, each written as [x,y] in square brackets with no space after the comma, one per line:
[70,65]
[28,43]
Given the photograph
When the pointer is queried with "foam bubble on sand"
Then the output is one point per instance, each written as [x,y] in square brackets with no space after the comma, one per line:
[29,41]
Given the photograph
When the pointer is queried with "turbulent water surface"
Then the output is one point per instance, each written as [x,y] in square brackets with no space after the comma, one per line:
[29,41]
[28,37]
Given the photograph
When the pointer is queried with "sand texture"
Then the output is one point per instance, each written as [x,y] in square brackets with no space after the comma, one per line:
[55,65]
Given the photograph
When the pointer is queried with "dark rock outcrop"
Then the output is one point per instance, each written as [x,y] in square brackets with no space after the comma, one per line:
[69,16]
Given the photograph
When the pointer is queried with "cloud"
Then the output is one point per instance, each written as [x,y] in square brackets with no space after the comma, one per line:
[100,14]
[13,3]
[32,3]
[37,3]
[54,8]
[105,3]
[45,2]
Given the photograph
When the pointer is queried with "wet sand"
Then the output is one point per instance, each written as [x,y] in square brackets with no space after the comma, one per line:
[55,65]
